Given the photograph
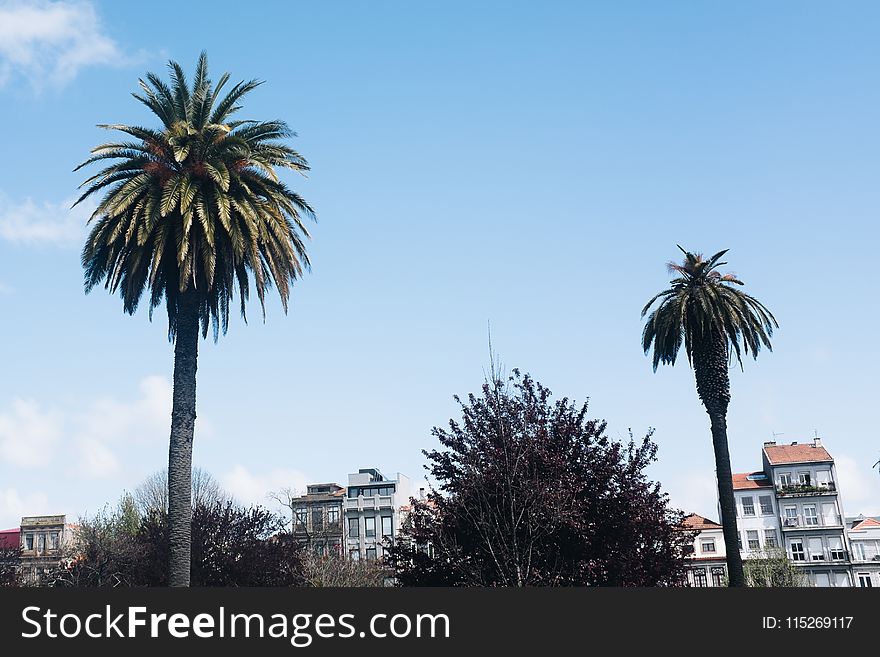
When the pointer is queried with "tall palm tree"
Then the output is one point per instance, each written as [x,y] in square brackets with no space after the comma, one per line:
[714,320]
[189,212]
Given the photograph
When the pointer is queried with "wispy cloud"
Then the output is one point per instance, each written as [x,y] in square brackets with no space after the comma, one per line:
[30,222]
[48,43]
[13,506]
[28,434]
[254,488]
[89,436]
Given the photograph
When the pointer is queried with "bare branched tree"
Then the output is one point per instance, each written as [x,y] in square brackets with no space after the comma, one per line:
[336,570]
[152,494]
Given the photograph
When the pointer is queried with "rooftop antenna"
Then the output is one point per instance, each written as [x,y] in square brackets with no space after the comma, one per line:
[779,433]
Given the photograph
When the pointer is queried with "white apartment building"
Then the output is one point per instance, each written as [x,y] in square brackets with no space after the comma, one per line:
[372,509]
[794,503]
[864,539]
[811,517]
[706,564]
[757,513]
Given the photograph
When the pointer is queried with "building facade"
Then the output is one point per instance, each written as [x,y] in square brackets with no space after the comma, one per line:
[864,540]
[317,519]
[372,512]
[43,541]
[706,563]
[794,503]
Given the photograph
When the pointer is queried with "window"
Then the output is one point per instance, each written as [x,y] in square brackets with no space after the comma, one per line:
[370,527]
[717,576]
[302,515]
[752,537]
[319,549]
[858,550]
[317,519]
[739,541]
[371,554]
[766,505]
[822,580]
[835,548]
[791,519]
[700,577]
[41,542]
[810,517]
[387,526]
[839,579]
[829,514]
[865,580]
[770,538]
[797,551]
[816,551]
[748,506]
[53,540]
[333,516]
[785,479]
[354,526]
[354,554]
[804,478]
[707,545]
[29,542]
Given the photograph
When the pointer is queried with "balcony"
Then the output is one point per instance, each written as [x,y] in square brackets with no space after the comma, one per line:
[372,503]
[803,490]
[809,522]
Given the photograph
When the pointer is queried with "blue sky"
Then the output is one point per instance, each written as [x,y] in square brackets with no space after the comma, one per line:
[513,163]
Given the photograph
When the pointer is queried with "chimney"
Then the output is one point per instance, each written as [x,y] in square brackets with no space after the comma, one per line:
[421,493]
[769,443]
[817,442]
[793,443]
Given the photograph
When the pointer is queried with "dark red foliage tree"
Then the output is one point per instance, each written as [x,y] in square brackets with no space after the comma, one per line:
[533,493]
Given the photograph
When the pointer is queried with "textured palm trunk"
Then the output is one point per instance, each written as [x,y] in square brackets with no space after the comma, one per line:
[183,418]
[713,387]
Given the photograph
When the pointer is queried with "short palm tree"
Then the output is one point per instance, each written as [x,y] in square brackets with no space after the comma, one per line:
[189,212]
[714,320]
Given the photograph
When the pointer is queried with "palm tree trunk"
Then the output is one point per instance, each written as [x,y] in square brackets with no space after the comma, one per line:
[726,499]
[713,386]
[183,418]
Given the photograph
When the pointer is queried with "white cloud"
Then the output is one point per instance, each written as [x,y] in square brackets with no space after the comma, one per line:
[694,493]
[96,459]
[27,434]
[252,488]
[48,43]
[29,222]
[144,418]
[88,435]
[13,506]
[859,486]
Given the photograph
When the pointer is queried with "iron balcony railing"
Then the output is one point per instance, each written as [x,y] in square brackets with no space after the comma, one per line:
[806,489]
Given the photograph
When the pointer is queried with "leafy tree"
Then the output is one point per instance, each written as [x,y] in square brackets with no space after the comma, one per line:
[189,212]
[772,568]
[105,550]
[533,493]
[232,546]
[704,311]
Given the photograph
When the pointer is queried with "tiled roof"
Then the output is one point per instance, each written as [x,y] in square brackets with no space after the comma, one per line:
[866,524]
[694,521]
[741,481]
[797,453]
